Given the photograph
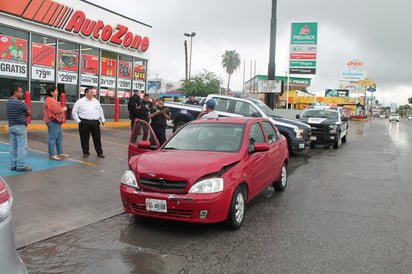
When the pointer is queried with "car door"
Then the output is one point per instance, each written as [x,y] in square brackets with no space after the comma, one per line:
[274,155]
[142,131]
[257,160]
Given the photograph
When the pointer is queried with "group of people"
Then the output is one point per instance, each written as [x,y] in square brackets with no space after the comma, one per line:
[87,111]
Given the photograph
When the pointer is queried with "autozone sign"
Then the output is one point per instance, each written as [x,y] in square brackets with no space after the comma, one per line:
[58,15]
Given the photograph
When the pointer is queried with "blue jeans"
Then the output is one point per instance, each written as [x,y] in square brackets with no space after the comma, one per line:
[55,138]
[18,146]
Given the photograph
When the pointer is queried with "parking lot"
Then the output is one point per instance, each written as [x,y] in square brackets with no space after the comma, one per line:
[344,211]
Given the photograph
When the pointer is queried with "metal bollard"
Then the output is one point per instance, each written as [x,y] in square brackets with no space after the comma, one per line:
[28,103]
[63,103]
[116,109]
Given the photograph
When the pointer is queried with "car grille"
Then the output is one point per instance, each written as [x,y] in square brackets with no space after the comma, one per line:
[163,185]
[138,208]
[306,134]
[319,129]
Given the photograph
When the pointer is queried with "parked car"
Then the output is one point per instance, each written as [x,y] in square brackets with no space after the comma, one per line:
[410,117]
[394,117]
[206,172]
[382,116]
[329,125]
[10,262]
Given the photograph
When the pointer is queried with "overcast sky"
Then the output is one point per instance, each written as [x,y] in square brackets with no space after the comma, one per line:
[376,32]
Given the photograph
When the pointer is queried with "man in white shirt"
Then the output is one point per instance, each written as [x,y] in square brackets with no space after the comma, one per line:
[210,112]
[88,112]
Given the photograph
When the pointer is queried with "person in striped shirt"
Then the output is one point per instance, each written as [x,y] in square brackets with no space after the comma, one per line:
[17,112]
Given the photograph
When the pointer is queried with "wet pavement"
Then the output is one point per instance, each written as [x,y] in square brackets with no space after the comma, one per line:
[344,211]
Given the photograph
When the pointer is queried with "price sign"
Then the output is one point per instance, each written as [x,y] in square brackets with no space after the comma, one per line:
[67,77]
[42,73]
[107,82]
[89,80]
[124,84]
[138,85]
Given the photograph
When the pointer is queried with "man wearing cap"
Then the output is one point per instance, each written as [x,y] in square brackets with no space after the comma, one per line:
[210,112]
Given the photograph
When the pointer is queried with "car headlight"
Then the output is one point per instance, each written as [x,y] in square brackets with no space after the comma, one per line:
[332,128]
[210,185]
[129,179]
[299,132]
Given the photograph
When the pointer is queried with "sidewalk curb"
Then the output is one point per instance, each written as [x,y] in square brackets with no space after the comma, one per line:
[66,125]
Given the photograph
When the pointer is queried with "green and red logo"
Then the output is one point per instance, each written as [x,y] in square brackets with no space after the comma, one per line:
[304,33]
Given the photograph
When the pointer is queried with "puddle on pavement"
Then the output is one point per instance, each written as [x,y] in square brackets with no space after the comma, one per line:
[398,135]
[97,249]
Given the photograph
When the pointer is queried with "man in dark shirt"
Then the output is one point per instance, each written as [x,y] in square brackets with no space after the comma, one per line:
[145,107]
[159,114]
[17,112]
[192,100]
[133,106]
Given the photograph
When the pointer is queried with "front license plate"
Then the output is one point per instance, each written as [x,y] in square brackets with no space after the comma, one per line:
[313,138]
[156,205]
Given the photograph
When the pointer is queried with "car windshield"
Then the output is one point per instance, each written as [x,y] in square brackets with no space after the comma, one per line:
[321,113]
[219,137]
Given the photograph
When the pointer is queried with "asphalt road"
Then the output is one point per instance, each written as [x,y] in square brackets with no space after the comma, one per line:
[344,211]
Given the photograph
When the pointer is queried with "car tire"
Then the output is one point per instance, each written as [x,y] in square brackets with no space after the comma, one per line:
[178,125]
[338,142]
[281,184]
[236,214]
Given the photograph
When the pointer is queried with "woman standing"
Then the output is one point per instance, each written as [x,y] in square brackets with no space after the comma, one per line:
[53,116]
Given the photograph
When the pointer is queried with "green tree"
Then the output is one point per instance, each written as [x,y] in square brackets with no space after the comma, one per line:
[202,84]
[230,61]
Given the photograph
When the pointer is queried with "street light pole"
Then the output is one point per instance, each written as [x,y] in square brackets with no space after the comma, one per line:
[191,35]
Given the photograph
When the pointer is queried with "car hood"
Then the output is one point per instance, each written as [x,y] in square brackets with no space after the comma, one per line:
[289,121]
[181,164]
[318,120]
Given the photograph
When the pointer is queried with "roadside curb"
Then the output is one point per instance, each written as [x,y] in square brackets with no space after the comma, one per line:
[68,125]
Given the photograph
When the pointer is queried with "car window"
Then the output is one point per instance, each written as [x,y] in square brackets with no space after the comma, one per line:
[256,136]
[222,104]
[245,109]
[270,132]
[141,132]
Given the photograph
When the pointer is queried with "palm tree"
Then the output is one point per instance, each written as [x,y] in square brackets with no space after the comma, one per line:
[230,61]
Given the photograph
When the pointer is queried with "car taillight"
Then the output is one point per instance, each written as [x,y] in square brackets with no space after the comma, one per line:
[6,200]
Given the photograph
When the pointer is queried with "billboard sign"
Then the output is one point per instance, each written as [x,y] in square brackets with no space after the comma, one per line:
[269,86]
[336,92]
[303,48]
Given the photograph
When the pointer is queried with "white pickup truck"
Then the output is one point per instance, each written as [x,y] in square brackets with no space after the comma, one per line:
[297,133]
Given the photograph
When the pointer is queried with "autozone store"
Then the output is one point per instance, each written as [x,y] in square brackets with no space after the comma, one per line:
[73,44]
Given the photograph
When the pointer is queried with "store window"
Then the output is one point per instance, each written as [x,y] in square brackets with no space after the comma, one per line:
[124,78]
[13,60]
[43,65]
[108,69]
[139,75]
[67,70]
[89,63]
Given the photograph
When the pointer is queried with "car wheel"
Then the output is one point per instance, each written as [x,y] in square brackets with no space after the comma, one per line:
[338,142]
[281,184]
[237,208]
[178,125]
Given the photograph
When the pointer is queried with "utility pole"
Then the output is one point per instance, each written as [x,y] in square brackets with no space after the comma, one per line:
[270,97]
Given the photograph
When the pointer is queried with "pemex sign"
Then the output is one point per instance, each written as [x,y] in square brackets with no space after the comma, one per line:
[303,48]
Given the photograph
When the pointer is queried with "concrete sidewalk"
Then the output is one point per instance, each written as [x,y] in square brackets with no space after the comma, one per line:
[40,124]
[54,199]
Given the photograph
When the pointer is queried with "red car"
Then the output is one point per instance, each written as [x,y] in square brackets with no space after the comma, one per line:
[205,172]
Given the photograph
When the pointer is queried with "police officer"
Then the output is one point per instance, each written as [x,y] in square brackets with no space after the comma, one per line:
[145,107]
[159,114]
[133,105]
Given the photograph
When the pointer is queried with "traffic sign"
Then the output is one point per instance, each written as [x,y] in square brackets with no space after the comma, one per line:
[366,82]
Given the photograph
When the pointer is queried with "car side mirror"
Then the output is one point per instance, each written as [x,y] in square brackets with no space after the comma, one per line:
[345,118]
[144,144]
[297,116]
[261,147]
